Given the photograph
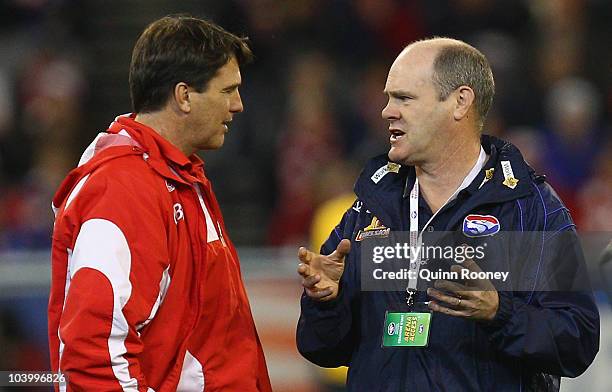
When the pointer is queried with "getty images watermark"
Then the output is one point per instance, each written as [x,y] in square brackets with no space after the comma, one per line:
[513,261]
[411,254]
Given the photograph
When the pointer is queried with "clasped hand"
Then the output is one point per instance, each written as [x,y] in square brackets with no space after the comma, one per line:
[477,299]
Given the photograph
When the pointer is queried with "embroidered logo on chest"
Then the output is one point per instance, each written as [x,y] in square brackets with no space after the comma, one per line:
[178,212]
[374,230]
[480,225]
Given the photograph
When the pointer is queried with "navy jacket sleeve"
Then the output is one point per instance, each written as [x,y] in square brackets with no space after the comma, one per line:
[553,328]
[325,333]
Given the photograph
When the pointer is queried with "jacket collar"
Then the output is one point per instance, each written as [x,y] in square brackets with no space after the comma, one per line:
[162,156]
[385,198]
[383,195]
[503,155]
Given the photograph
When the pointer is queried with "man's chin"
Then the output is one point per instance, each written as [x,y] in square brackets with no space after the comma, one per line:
[214,144]
[395,156]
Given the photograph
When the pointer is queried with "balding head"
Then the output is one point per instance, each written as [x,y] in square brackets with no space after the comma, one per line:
[456,64]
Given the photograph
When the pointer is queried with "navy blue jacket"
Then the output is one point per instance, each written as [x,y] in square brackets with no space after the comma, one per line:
[547,324]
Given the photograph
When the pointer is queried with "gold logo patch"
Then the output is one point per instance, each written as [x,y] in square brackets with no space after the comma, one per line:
[510,182]
[374,230]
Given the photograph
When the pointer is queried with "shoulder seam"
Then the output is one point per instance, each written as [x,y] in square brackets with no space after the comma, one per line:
[537,275]
[564,228]
[520,213]
[557,210]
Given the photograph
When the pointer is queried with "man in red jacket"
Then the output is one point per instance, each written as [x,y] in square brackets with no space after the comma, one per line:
[146,292]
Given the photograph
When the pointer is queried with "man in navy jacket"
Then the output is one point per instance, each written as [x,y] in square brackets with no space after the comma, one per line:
[519,334]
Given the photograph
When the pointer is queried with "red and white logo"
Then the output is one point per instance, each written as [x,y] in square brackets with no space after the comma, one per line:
[480,225]
[178,212]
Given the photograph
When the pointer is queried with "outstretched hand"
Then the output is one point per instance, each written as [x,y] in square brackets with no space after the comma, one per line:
[321,274]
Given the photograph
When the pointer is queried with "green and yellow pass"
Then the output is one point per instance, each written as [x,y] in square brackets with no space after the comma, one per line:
[406,329]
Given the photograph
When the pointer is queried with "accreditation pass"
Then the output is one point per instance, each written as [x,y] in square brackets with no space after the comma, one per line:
[406,329]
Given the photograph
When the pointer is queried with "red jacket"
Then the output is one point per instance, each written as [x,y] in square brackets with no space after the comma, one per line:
[146,292]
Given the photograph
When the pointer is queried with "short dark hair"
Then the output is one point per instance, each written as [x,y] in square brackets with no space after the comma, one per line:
[459,64]
[179,48]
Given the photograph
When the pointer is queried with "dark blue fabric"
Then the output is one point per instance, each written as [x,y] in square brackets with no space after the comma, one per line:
[546,326]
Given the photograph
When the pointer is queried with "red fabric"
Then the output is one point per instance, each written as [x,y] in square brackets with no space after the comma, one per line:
[205,309]
[82,325]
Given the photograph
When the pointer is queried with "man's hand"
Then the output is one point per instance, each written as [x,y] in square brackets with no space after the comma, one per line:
[321,274]
[476,300]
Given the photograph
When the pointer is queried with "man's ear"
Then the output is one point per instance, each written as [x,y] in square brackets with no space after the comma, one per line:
[181,97]
[464,96]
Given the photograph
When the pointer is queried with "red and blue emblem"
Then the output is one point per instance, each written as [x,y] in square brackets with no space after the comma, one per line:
[480,225]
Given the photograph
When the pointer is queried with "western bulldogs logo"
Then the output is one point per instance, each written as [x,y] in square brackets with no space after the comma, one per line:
[480,225]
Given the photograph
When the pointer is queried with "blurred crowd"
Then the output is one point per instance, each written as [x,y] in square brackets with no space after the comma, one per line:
[312,101]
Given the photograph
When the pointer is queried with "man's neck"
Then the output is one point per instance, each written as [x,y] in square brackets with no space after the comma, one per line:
[440,177]
[165,127]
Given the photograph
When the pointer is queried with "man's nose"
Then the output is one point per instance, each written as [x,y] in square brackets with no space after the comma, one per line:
[236,104]
[389,112]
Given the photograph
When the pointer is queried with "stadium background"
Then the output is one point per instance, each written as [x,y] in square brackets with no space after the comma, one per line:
[312,117]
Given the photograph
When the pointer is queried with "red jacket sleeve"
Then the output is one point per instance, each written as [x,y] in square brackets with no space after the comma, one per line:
[109,257]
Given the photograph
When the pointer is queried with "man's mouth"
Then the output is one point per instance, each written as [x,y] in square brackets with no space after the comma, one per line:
[226,124]
[396,134]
